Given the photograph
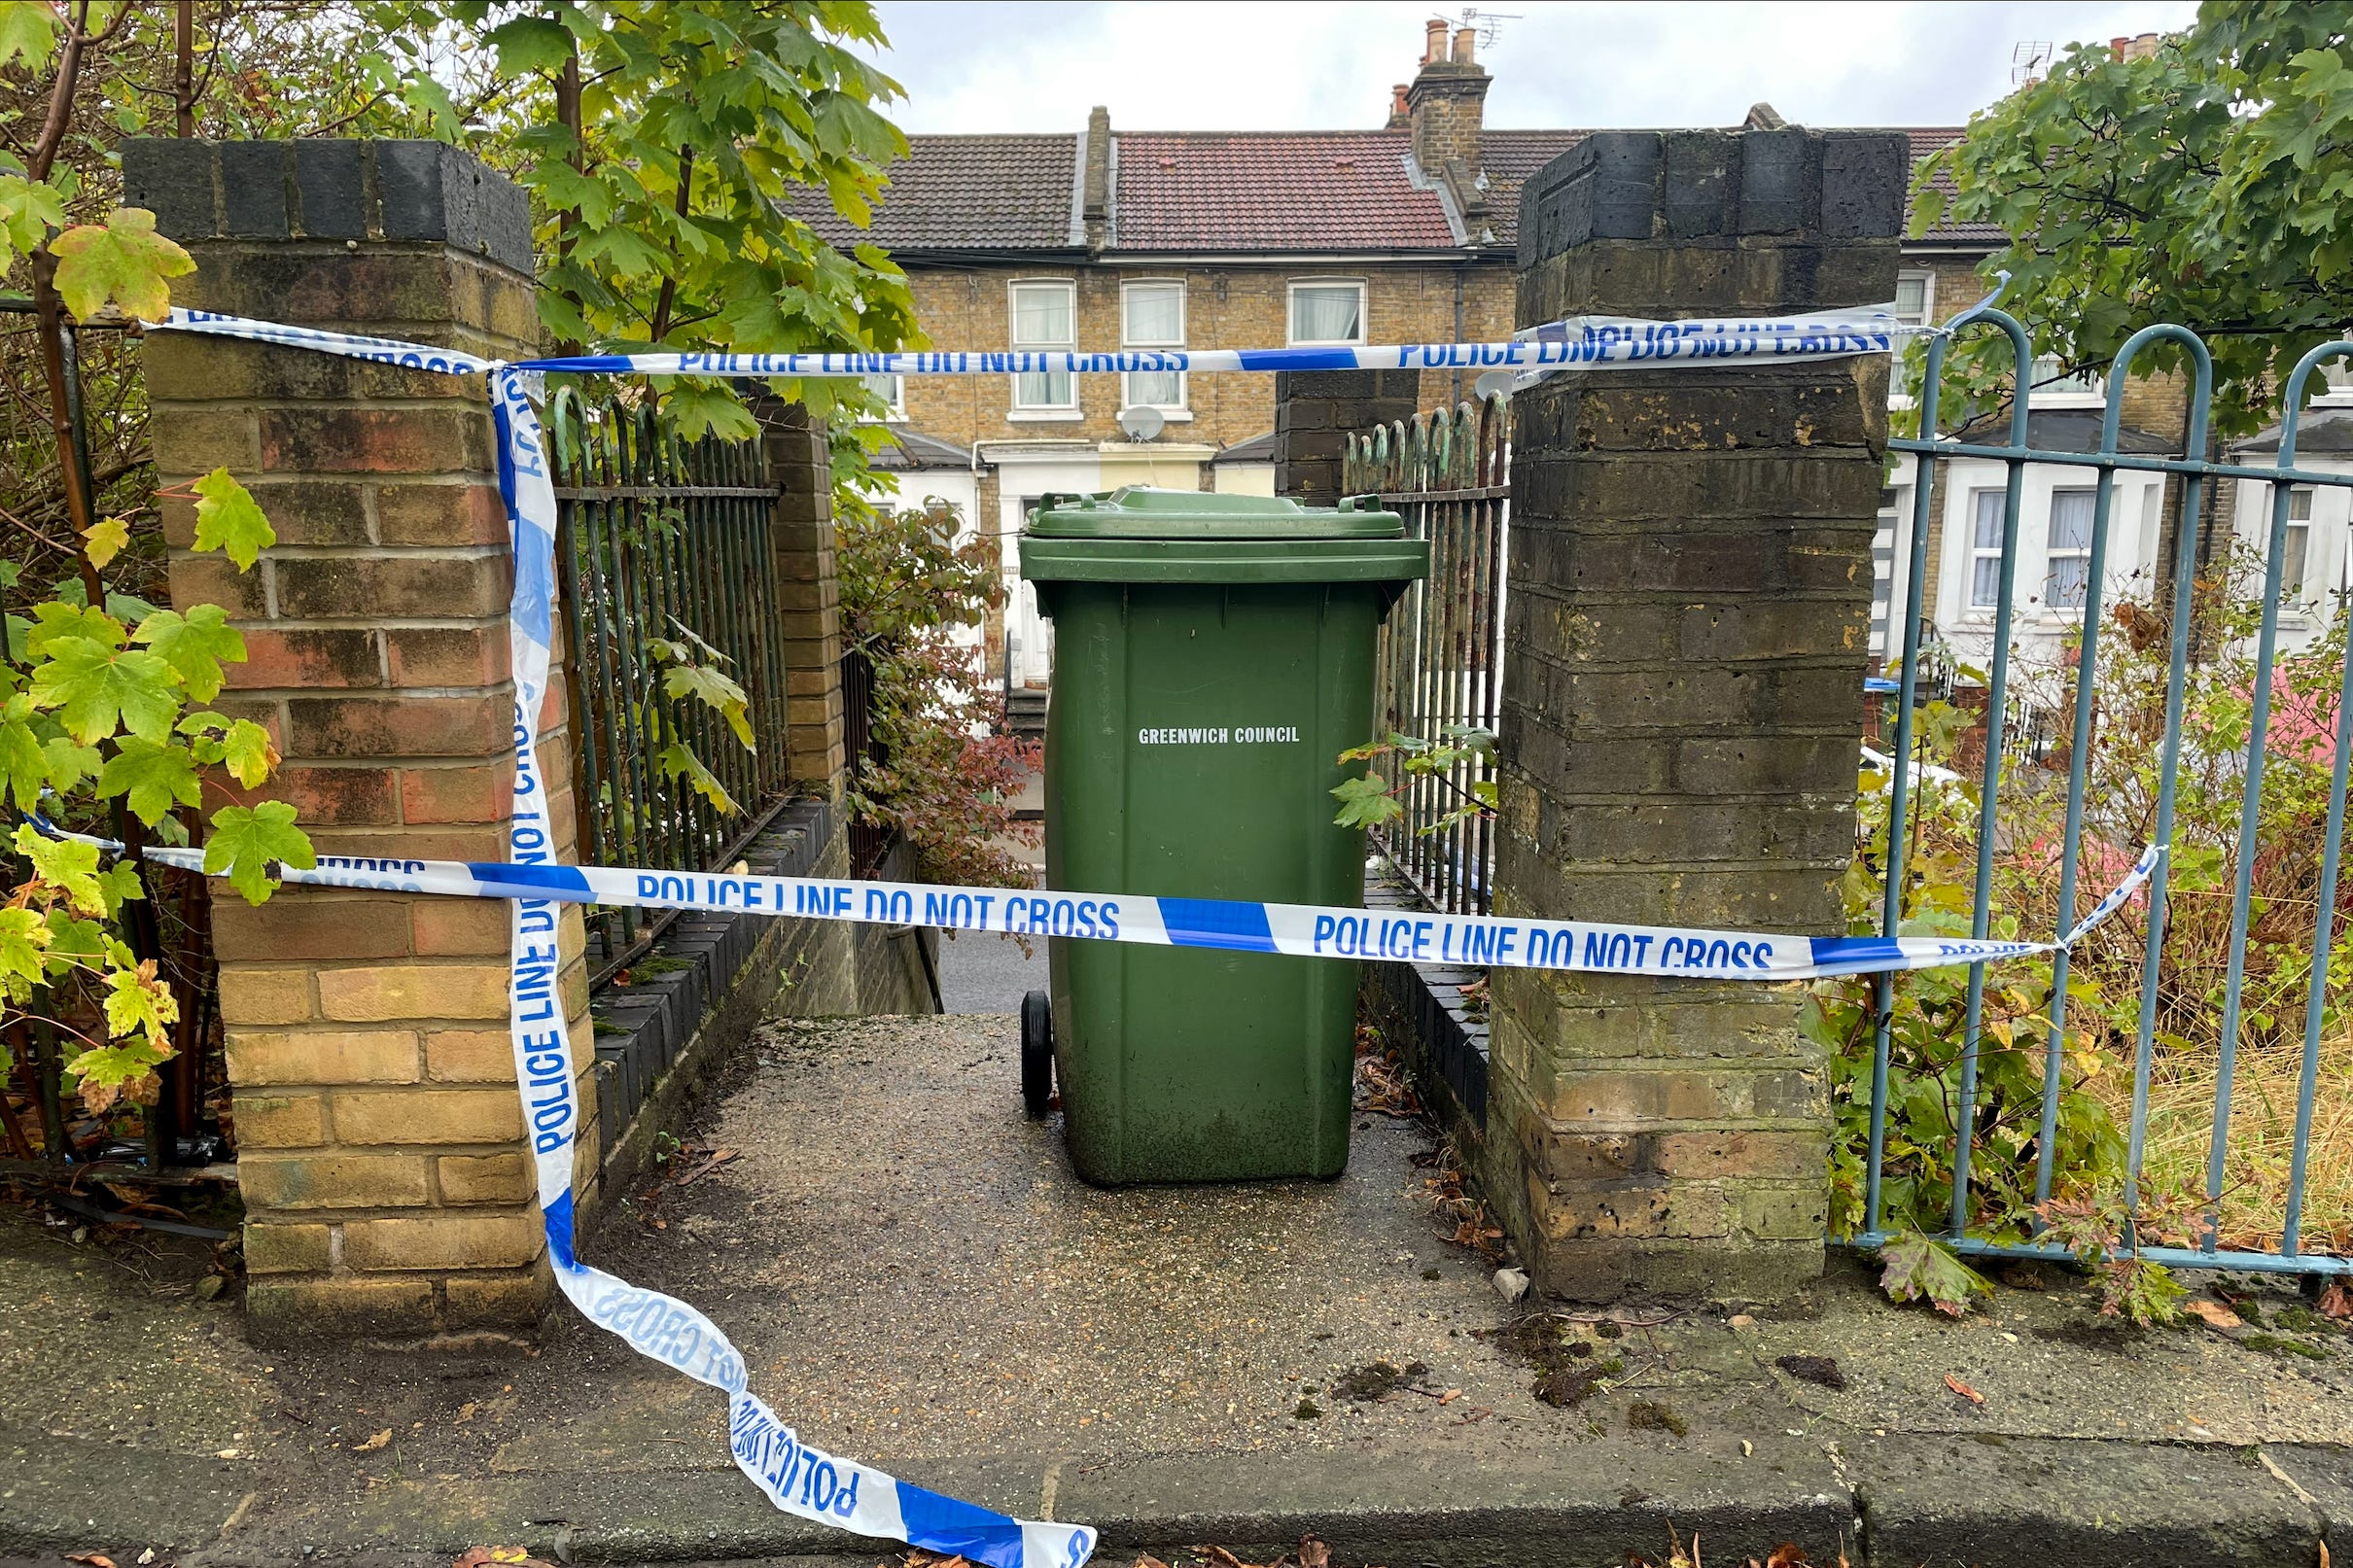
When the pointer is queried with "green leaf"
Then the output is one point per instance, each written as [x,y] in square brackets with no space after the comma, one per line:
[69,763]
[28,210]
[24,946]
[229,518]
[53,622]
[94,689]
[70,867]
[24,765]
[246,842]
[29,31]
[124,263]
[239,745]
[530,44]
[2146,1293]
[678,760]
[153,778]
[195,644]
[713,689]
[138,1003]
[1365,803]
[1920,1268]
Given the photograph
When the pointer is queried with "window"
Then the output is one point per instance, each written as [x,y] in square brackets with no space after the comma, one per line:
[1985,550]
[1153,316]
[1328,311]
[2299,546]
[1044,316]
[1914,298]
[2337,384]
[2067,566]
[892,389]
[2050,386]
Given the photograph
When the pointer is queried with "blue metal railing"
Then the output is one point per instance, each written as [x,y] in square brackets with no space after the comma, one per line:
[2195,475]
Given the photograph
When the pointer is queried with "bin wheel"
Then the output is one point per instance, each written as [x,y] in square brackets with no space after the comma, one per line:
[1036,1052]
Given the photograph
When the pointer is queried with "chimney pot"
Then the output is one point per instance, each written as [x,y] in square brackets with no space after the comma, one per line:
[1464,40]
[2116,47]
[1433,44]
[1400,114]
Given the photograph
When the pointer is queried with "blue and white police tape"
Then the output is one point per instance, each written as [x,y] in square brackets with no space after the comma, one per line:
[1578,342]
[797,1479]
[1299,930]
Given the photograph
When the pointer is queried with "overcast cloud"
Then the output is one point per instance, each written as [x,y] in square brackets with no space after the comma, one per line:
[1301,64]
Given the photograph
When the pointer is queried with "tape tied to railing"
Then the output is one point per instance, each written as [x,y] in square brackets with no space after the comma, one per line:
[798,1478]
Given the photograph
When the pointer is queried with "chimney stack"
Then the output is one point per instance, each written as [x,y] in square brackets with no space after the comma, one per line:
[1445,108]
[1399,116]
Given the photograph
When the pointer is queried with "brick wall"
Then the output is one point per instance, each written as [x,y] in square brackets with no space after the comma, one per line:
[1690,578]
[381,1141]
[1226,307]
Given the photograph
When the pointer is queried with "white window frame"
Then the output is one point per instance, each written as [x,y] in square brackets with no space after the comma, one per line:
[1897,397]
[1364,313]
[2053,554]
[895,402]
[2337,384]
[2094,396]
[1979,551]
[2293,594]
[1021,411]
[1181,408]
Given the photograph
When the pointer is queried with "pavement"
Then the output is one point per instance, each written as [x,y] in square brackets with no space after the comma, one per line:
[916,1277]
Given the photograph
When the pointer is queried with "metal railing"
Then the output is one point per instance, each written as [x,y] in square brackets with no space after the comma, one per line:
[661,537]
[2093,830]
[1440,663]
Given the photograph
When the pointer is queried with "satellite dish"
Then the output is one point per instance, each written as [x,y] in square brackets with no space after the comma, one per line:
[1141,424]
[1495,384]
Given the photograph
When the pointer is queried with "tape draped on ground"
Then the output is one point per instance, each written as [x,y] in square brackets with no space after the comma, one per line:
[796,1478]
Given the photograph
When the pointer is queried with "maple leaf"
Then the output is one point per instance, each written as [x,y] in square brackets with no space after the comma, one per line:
[124,262]
[94,689]
[239,745]
[138,1003]
[247,841]
[676,761]
[1365,803]
[28,210]
[54,620]
[1919,1268]
[29,31]
[229,518]
[713,690]
[23,945]
[24,765]
[195,644]
[70,867]
[105,540]
[153,778]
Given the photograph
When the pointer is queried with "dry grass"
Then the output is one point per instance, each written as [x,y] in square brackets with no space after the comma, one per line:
[2262,1141]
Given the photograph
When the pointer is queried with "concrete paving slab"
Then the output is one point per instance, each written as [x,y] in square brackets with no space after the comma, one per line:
[917,1278]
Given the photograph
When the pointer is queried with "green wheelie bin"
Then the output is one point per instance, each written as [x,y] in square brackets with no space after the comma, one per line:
[1213,655]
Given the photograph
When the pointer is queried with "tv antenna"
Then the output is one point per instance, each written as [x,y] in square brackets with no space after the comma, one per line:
[2029,61]
[1488,22]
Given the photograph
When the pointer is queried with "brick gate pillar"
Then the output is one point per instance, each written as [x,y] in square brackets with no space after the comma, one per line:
[1690,569]
[380,1145]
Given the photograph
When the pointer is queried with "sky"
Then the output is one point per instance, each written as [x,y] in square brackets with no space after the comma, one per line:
[997,65]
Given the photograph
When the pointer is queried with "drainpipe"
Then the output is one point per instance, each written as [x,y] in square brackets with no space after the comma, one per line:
[1458,267]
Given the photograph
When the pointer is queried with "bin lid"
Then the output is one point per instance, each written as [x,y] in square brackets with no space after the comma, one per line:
[1139,511]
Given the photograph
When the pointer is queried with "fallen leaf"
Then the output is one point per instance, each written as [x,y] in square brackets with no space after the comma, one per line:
[1449,1397]
[1963,1390]
[96,1559]
[382,1437]
[1788,1554]
[1221,1555]
[1147,1560]
[500,1557]
[2214,1315]
[2336,1302]
[1313,1554]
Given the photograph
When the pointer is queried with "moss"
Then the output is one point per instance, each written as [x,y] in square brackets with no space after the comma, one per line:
[2279,1346]
[1647,1415]
[1308,1411]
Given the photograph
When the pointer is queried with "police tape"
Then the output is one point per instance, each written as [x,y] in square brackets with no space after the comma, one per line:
[1234,925]
[795,1476]
[1575,343]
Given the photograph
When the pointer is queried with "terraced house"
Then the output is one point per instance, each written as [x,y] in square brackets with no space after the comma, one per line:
[1108,239]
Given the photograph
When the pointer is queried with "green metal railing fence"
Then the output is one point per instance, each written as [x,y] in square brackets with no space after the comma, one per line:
[2089,822]
[1440,662]
[663,538]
